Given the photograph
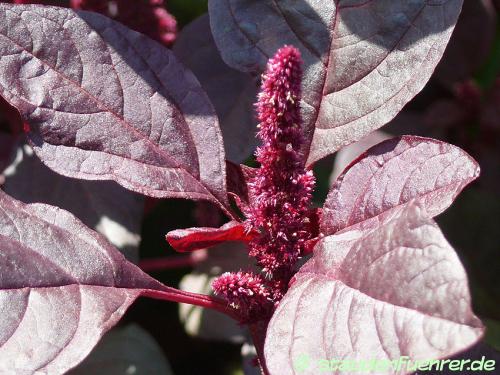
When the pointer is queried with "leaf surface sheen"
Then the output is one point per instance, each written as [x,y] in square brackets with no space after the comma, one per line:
[62,286]
[364,60]
[392,174]
[383,281]
[395,290]
[104,102]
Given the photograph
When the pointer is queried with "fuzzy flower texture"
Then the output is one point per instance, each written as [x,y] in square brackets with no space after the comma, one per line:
[280,194]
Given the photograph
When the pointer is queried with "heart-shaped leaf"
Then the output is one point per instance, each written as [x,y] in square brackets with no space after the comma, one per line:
[62,286]
[364,60]
[392,174]
[104,102]
[232,92]
[102,205]
[395,290]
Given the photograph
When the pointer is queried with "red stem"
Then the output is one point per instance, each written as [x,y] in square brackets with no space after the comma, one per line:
[258,333]
[166,263]
[180,296]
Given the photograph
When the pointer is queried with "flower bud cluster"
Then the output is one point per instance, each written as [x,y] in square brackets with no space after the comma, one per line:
[246,292]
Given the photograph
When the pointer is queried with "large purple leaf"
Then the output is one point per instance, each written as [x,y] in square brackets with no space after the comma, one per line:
[395,290]
[232,92]
[393,173]
[102,205]
[105,102]
[61,287]
[364,60]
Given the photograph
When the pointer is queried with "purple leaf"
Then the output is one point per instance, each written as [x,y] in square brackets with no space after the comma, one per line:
[364,60]
[102,205]
[237,180]
[348,154]
[191,239]
[395,290]
[61,287]
[232,92]
[393,173]
[105,102]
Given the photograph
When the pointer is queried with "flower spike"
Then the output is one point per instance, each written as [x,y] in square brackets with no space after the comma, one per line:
[280,194]
[282,187]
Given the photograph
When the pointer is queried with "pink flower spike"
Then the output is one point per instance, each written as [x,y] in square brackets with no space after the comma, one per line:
[282,187]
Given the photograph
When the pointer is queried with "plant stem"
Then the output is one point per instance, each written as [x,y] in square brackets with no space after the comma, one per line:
[167,263]
[258,333]
[180,296]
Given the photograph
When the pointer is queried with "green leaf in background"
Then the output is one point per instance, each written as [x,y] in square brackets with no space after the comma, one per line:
[187,10]
[491,69]
[492,333]
[468,225]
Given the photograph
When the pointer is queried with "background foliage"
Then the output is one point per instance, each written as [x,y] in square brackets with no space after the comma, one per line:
[462,110]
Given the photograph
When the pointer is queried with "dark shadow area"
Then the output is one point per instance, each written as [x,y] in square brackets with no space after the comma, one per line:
[397,24]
